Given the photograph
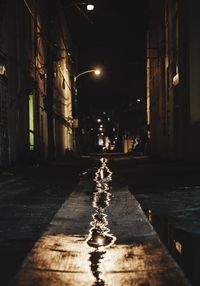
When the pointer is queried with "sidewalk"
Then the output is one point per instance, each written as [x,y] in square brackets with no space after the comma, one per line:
[29,198]
[100,236]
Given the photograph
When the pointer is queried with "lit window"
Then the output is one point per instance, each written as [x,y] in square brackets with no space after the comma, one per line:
[31,122]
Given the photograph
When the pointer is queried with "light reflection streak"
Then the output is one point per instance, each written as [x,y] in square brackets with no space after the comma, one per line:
[150,216]
[99,234]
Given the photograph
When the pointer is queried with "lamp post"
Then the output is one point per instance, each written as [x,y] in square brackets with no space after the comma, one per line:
[95,71]
[76,115]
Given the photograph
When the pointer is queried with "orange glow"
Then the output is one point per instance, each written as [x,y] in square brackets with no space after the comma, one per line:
[67,260]
[68,256]
[178,246]
[97,71]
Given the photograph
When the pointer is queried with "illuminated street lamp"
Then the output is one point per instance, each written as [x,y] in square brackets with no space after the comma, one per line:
[96,72]
[90,7]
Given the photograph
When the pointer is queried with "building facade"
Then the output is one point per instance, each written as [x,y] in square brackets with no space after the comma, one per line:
[173,85]
[35,82]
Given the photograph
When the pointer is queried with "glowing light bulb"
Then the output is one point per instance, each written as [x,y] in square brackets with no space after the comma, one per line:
[97,72]
[90,7]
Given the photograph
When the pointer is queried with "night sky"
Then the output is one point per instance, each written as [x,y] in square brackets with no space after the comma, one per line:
[111,37]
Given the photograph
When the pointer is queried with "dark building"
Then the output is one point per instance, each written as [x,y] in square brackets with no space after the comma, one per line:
[173,85]
[35,82]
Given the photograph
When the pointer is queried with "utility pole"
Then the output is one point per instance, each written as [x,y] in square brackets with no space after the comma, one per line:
[76,118]
[50,83]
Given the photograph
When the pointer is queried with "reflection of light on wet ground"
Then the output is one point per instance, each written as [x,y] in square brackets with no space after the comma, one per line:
[149,215]
[99,234]
[95,259]
[79,249]
[183,245]
[181,204]
[62,260]
[175,215]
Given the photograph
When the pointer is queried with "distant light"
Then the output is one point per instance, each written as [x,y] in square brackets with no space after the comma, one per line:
[104,112]
[175,79]
[150,215]
[101,125]
[102,133]
[178,246]
[108,118]
[2,69]
[100,142]
[116,138]
[97,71]
[98,120]
[90,7]
[91,129]
[100,128]
[113,128]
[138,99]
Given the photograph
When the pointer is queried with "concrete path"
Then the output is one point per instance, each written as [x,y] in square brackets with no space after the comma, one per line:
[100,236]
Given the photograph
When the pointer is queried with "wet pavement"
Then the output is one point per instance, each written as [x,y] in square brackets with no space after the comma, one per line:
[29,198]
[100,236]
[168,193]
[175,215]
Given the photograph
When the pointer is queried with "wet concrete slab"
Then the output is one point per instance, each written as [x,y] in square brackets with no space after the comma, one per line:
[100,236]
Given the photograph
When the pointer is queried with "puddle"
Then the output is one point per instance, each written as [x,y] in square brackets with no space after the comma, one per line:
[99,237]
[184,246]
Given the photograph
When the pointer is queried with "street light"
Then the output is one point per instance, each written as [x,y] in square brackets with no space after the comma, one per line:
[90,7]
[96,72]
